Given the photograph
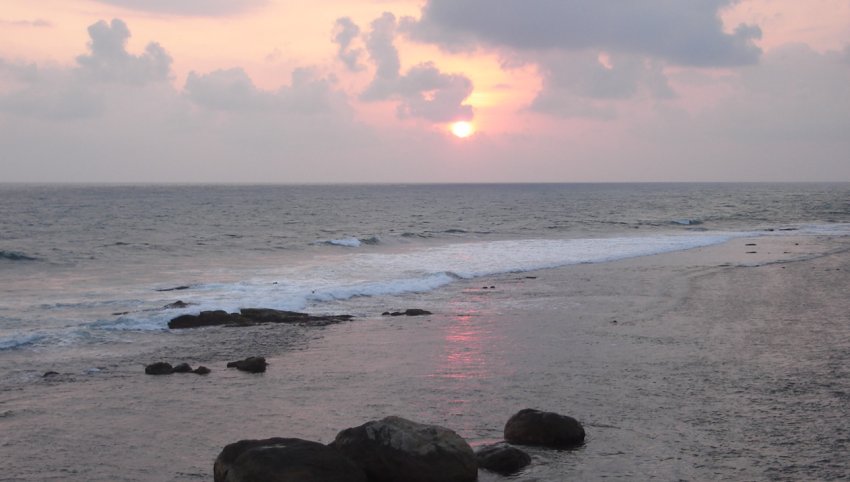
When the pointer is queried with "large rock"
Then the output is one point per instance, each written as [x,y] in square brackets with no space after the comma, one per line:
[207,318]
[250,316]
[267,315]
[502,458]
[284,460]
[159,368]
[546,429]
[253,364]
[395,449]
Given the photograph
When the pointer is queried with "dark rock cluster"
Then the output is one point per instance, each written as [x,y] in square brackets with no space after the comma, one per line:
[394,449]
[165,368]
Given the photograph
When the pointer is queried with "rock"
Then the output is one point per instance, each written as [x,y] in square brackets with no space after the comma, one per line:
[546,429]
[182,368]
[49,374]
[408,312]
[159,368]
[502,458]
[176,288]
[249,316]
[177,304]
[284,460]
[267,315]
[207,318]
[201,370]
[396,449]
[253,364]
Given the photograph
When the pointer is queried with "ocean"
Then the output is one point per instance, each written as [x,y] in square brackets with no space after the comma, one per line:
[87,272]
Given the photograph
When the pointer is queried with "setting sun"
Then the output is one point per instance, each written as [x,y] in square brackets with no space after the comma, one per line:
[462,129]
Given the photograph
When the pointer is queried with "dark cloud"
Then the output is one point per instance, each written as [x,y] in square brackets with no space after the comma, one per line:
[346,32]
[424,91]
[685,32]
[584,84]
[189,7]
[110,61]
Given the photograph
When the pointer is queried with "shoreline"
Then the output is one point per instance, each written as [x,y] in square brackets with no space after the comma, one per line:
[693,329]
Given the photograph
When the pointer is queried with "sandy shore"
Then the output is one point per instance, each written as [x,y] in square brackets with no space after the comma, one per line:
[726,362]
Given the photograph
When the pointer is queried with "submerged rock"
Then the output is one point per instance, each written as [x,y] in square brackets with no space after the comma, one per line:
[284,460]
[396,449]
[502,458]
[408,312]
[546,429]
[253,364]
[159,368]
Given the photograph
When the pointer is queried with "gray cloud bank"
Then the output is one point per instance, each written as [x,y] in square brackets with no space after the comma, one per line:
[685,32]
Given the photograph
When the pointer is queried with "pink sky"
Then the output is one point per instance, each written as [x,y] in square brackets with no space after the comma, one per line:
[365,91]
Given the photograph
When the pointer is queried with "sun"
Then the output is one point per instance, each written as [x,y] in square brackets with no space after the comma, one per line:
[462,129]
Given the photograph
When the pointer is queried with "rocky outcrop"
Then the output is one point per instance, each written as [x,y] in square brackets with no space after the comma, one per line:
[250,316]
[502,458]
[408,312]
[254,364]
[207,318]
[284,460]
[545,429]
[159,368]
[396,449]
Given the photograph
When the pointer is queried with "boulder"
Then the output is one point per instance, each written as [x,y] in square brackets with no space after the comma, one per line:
[253,364]
[545,429]
[182,368]
[201,370]
[502,458]
[396,449]
[159,368]
[284,460]
[207,318]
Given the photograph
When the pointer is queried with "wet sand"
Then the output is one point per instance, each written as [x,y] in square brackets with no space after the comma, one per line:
[727,362]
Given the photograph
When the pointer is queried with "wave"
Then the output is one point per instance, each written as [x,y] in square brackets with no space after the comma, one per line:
[686,222]
[16,256]
[351,242]
[20,341]
[385,288]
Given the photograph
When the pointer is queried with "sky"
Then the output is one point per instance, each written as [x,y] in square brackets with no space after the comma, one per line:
[273,91]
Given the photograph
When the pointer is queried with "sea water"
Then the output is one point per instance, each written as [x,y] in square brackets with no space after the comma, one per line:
[87,272]
[77,262]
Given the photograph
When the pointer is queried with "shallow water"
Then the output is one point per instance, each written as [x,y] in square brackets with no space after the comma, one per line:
[711,372]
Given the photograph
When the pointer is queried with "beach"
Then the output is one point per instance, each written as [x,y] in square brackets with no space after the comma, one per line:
[721,362]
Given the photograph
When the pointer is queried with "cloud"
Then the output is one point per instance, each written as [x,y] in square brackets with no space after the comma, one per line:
[684,32]
[588,85]
[424,91]
[37,23]
[345,32]
[189,7]
[233,90]
[110,61]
